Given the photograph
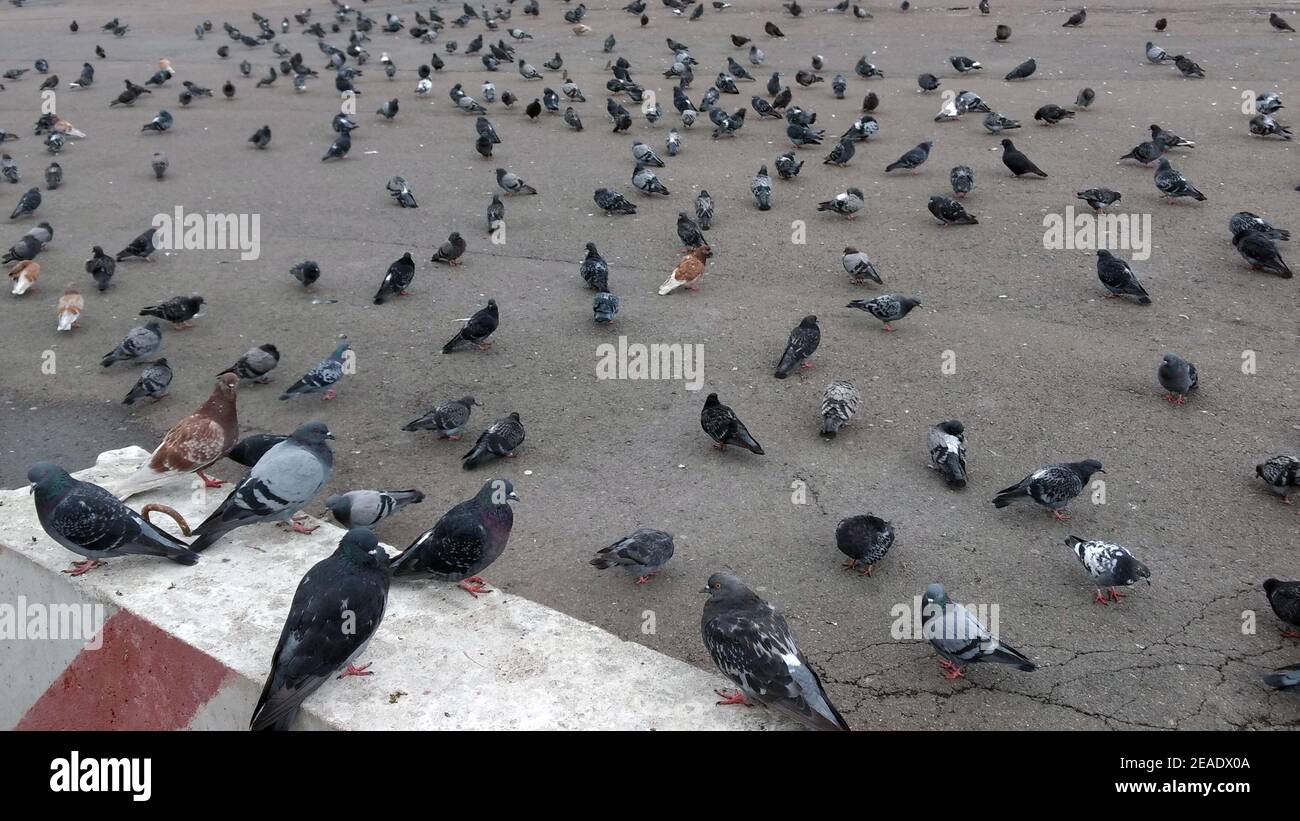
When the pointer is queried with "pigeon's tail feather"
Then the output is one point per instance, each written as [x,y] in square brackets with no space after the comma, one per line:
[893,165]
[831,425]
[1008,495]
[1009,655]
[407,497]
[1284,678]
[602,563]
[746,440]
[953,471]
[144,479]
[453,342]
[475,457]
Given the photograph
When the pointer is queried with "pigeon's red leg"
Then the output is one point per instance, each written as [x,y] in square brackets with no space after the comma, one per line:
[851,564]
[647,577]
[867,571]
[330,394]
[888,327]
[473,586]
[1286,634]
[296,525]
[720,445]
[81,568]
[805,364]
[1100,597]
[483,346]
[950,670]
[1112,296]
[208,481]
[363,670]
[183,326]
[455,438]
[736,697]
[1060,516]
[1115,595]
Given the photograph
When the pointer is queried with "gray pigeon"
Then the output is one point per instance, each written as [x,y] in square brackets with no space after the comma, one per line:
[88,520]
[27,204]
[962,180]
[1285,678]
[366,508]
[960,638]
[280,484]
[913,159]
[447,418]
[256,363]
[322,376]
[859,267]
[947,443]
[502,438]
[1053,486]
[1109,565]
[761,188]
[336,610]
[645,181]
[604,306]
[865,540]
[1280,473]
[888,308]
[802,344]
[1173,185]
[141,342]
[840,403]
[1119,278]
[751,644]
[152,383]
[1178,377]
[645,552]
[468,538]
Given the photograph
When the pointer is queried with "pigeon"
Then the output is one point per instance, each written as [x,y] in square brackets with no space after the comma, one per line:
[450,251]
[761,188]
[865,539]
[228,90]
[502,438]
[1052,114]
[913,159]
[366,508]
[752,645]
[964,64]
[604,306]
[178,310]
[9,168]
[645,155]
[772,29]
[1258,249]
[841,153]
[69,308]
[787,167]
[91,522]
[24,274]
[688,231]
[962,180]
[1276,21]
[496,213]
[1243,221]
[859,267]
[140,343]
[160,123]
[152,383]
[1173,185]
[1017,162]
[1119,278]
[1053,486]
[1109,565]
[400,191]
[995,123]
[947,443]
[447,418]
[1076,19]
[194,444]
[141,247]
[612,202]
[950,212]
[476,330]
[960,638]
[644,552]
[397,279]
[322,376]
[336,610]
[847,204]
[1156,54]
[261,137]
[468,538]
[1145,153]
[27,204]
[870,102]
[280,484]
[645,181]
[255,364]
[1268,103]
[306,272]
[1284,597]
[803,343]
[1098,198]
[1023,70]
[688,270]
[1261,125]
[1187,67]
[53,176]
[1284,678]
[594,269]
[801,135]
[100,266]
[887,308]
[704,210]
[1085,98]
[339,148]
[673,142]
[159,164]
[722,426]
[928,82]
[1178,377]
[840,403]
[512,184]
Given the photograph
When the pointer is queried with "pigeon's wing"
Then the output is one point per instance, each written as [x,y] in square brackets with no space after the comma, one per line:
[448,549]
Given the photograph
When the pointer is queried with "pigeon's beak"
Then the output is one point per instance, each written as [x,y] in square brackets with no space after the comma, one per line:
[1099,470]
[514,496]
[31,489]
[704,589]
[329,436]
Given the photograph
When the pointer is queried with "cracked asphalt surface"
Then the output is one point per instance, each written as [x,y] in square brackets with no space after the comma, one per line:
[1046,369]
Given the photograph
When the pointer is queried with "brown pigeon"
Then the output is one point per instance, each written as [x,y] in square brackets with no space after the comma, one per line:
[197,442]
[687,271]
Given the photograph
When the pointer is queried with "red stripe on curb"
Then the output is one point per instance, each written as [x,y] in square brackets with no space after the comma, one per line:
[142,678]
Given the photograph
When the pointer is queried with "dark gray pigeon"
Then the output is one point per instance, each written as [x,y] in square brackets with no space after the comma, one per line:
[502,438]
[1109,565]
[913,159]
[27,204]
[256,363]
[1017,162]
[1145,153]
[447,418]
[947,443]
[802,344]
[367,508]
[1284,598]
[604,306]
[141,342]
[1173,184]
[950,212]
[1178,377]
[1259,250]
[1280,473]
[397,279]
[336,610]
[752,645]
[1053,486]
[1023,70]
[280,484]
[1099,198]
[644,552]
[468,538]
[152,383]
[477,329]
[865,539]
[960,638]
[88,520]
[1119,278]
[724,428]
[322,377]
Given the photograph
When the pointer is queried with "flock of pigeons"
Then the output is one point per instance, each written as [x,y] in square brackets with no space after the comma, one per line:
[748,639]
